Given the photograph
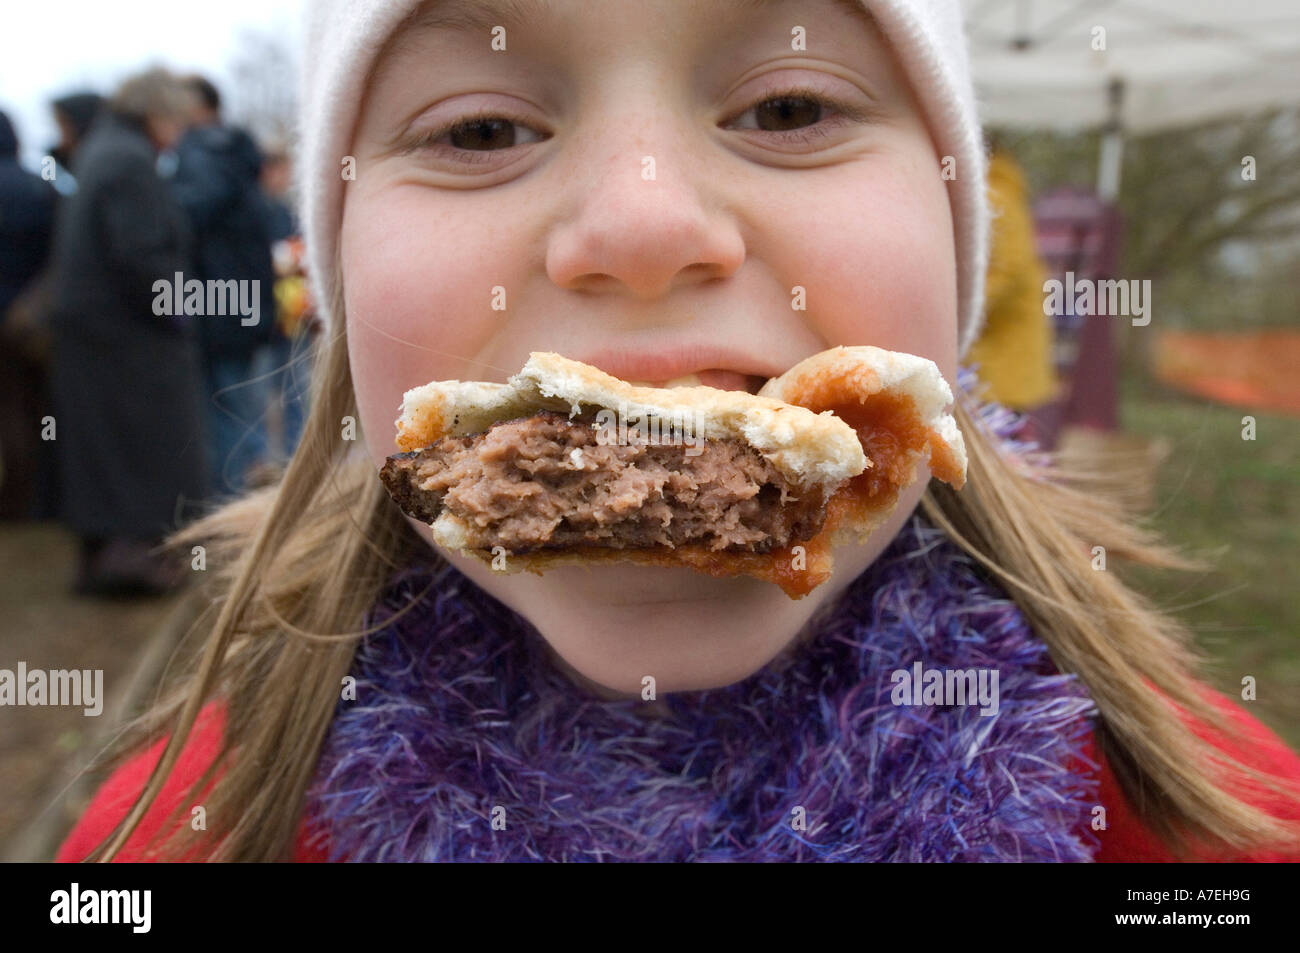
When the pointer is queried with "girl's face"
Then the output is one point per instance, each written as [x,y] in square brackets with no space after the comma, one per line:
[646,185]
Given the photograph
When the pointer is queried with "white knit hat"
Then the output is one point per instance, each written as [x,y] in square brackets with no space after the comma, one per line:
[344,36]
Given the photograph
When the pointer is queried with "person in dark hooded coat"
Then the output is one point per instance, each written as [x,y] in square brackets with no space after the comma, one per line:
[125,378]
[74,114]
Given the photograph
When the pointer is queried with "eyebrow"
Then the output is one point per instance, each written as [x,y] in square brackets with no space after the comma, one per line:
[477,16]
[474,15]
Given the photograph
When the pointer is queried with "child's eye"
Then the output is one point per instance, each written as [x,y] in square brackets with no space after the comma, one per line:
[487,134]
[481,133]
[781,114]
[793,113]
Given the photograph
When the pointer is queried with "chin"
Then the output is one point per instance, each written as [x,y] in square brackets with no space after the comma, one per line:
[615,625]
[678,660]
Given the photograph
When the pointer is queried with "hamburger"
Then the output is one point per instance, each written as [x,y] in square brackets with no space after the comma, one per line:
[565,464]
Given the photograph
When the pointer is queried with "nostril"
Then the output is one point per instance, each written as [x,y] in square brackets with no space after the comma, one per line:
[591,282]
[703,270]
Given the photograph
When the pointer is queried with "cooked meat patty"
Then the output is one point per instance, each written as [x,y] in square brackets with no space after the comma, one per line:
[546,482]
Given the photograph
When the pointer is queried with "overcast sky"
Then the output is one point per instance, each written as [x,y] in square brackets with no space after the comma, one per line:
[51,48]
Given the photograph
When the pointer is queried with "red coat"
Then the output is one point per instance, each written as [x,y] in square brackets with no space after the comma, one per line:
[1124,839]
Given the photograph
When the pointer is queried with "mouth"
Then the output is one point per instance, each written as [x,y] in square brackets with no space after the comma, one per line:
[687,367]
[718,378]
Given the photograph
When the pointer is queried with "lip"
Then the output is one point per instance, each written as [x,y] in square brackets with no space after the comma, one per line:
[678,360]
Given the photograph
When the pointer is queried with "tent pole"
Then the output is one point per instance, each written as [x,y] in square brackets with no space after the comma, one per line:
[1110,163]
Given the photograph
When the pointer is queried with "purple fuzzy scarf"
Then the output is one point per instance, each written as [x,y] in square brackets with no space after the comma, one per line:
[460,713]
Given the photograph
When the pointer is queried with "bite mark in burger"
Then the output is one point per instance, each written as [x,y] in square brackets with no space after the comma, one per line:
[725,482]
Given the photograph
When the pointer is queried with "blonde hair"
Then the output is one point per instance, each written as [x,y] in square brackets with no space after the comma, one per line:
[299,565]
[154,94]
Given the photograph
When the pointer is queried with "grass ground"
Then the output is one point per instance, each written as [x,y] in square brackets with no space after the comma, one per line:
[44,625]
[1237,503]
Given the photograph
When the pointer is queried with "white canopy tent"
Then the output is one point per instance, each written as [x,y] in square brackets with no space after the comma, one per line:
[1130,65]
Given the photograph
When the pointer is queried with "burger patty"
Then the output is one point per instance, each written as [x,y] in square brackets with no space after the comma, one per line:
[521,485]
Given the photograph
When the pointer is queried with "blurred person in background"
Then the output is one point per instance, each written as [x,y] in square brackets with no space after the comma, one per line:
[277,183]
[217,184]
[1013,353]
[125,378]
[74,114]
[285,362]
[26,230]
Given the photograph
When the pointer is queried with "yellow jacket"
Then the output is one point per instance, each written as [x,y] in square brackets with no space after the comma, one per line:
[1014,349]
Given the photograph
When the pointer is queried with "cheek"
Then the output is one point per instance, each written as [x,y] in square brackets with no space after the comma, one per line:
[879,263]
[418,296]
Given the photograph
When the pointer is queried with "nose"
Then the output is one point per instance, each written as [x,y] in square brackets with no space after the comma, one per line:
[651,223]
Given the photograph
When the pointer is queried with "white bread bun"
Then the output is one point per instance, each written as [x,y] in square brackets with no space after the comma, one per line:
[862,372]
[807,448]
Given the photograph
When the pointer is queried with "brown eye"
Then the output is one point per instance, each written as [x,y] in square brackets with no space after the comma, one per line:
[787,112]
[483,135]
